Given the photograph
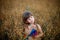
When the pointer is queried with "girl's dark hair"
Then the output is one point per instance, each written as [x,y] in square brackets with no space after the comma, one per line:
[26,15]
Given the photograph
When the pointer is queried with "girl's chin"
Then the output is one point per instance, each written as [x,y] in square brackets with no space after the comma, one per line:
[31,23]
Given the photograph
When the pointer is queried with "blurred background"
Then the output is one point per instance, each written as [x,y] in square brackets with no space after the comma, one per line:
[46,13]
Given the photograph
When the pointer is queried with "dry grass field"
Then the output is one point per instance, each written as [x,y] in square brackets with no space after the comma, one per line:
[46,13]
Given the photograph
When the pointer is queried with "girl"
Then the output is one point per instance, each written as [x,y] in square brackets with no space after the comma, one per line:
[31,30]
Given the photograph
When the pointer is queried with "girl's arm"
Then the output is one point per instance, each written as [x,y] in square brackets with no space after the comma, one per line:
[40,31]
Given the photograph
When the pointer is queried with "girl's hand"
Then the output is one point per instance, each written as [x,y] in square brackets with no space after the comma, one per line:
[36,36]
[39,35]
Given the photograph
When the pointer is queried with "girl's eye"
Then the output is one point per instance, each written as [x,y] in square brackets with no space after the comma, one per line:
[31,16]
[29,19]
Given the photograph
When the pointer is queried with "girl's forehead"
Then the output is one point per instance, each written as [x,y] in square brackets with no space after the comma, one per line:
[31,16]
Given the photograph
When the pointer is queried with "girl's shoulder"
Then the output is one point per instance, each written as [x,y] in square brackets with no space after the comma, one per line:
[38,25]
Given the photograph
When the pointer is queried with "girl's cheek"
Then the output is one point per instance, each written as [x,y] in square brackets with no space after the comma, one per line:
[29,21]
[33,19]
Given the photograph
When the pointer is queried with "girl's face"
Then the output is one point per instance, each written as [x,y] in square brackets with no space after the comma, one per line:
[30,19]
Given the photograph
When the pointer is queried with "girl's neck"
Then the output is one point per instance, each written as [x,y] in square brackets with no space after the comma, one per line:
[28,25]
